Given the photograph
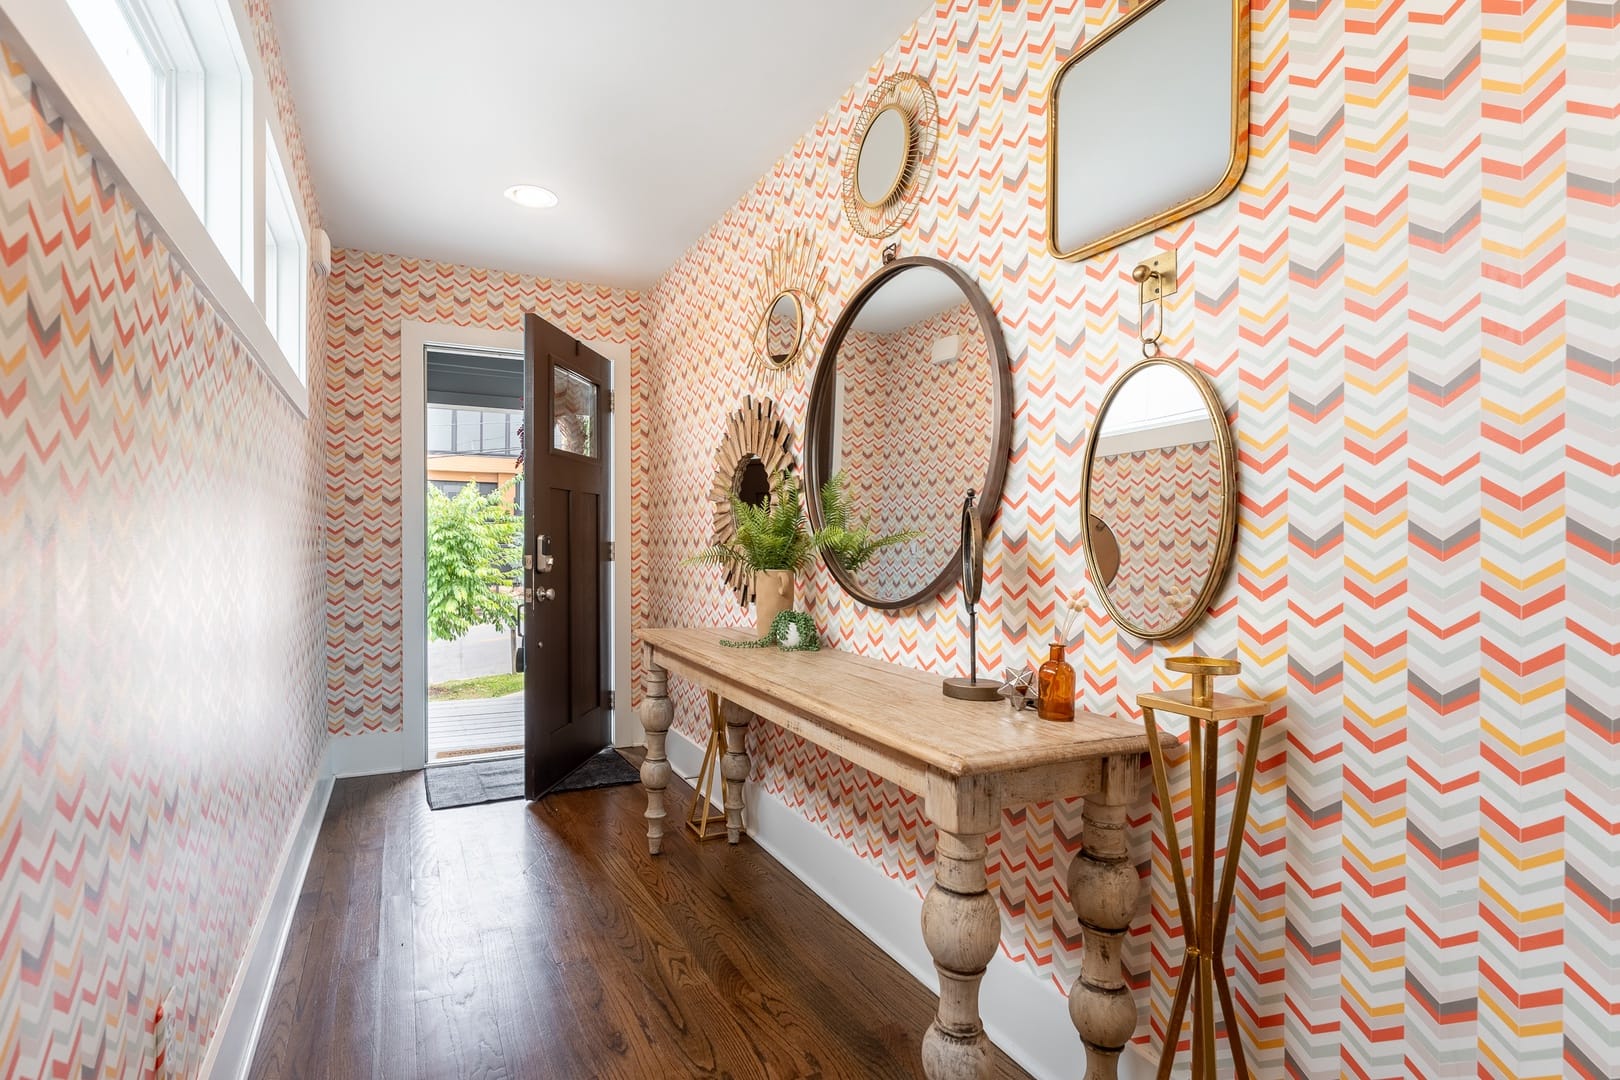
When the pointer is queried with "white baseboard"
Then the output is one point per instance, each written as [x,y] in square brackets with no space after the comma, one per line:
[1024,1013]
[230,1053]
[369,754]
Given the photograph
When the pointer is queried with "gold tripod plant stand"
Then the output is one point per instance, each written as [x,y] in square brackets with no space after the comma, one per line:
[1204,912]
[703,809]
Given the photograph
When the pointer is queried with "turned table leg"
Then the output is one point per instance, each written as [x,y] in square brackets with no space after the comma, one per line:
[734,766]
[961,928]
[1104,887]
[656,713]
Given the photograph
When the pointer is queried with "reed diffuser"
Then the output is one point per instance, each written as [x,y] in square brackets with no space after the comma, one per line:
[1054,682]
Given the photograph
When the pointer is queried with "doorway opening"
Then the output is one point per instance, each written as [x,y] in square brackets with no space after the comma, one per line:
[475,610]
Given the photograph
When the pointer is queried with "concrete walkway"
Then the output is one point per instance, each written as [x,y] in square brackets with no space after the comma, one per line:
[460,730]
[483,650]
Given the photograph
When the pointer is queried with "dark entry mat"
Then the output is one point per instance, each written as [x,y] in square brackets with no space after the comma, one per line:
[606,769]
[478,782]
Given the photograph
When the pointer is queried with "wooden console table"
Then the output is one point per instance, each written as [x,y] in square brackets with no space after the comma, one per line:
[967,760]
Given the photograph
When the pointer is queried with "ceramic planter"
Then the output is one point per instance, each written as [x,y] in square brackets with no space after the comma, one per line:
[773,594]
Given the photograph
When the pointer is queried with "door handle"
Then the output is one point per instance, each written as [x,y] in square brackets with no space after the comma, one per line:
[542,595]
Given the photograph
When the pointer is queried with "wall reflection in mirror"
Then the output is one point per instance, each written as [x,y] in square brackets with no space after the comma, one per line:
[913,422]
[1160,503]
[784,329]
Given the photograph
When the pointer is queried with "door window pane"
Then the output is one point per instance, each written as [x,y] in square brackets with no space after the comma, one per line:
[573,413]
[439,425]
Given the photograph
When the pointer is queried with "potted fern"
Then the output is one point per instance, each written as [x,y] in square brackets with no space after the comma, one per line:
[773,542]
[852,542]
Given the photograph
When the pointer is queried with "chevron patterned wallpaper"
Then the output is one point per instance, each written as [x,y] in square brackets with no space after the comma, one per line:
[367,296]
[1164,508]
[911,470]
[161,616]
[1409,309]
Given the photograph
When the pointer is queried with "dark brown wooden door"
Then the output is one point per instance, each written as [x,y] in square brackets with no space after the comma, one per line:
[565,544]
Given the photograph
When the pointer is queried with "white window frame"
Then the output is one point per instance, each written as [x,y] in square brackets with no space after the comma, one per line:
[57,53]
[285,295]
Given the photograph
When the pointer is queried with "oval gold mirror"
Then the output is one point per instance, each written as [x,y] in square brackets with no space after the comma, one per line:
[883,157]
[911,404]
[781,329]
[1159,491]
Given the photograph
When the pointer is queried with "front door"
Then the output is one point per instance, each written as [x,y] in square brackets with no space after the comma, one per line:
[565,545]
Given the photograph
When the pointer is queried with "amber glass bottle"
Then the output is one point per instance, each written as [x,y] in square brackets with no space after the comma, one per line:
[1054,687]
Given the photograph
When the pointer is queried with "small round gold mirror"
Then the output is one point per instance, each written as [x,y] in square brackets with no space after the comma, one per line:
[890,155]
[781,329]
[884,155]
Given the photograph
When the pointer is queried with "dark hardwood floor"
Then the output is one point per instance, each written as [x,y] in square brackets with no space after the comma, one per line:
[542,940]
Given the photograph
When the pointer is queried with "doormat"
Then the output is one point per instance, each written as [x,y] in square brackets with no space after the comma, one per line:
[474,783]
[480,751]
[478,782]
[605,769]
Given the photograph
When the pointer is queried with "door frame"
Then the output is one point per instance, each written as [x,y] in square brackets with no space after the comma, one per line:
[409,747]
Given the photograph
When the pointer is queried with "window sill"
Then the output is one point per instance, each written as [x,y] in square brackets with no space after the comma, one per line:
[58,55]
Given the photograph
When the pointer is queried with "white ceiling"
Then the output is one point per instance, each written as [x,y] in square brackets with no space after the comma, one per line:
[648,118]
[910,296]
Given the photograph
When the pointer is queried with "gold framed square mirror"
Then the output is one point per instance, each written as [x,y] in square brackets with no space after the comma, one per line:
[1147,123]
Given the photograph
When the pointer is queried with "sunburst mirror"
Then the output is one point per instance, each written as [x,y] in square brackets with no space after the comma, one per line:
[789,304]
[755,451]
[890,155]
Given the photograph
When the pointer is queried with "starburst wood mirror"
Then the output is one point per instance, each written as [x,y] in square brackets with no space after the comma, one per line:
[754,452]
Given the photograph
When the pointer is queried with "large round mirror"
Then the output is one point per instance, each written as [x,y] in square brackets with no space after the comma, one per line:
[1159,492]
[880,167]
[911,406]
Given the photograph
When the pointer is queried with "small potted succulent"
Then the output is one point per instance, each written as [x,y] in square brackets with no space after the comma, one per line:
[773,542]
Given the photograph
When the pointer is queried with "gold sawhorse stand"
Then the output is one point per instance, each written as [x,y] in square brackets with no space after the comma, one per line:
[1204,913]
[703,810]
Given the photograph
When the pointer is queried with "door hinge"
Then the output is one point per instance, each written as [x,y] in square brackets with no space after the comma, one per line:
[612,551]
[610,401]
[612,699]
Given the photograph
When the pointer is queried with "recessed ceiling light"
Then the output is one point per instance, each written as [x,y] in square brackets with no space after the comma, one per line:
[532,196]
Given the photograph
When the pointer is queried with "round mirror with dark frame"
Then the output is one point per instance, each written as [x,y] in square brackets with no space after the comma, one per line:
[1159,491]
[912,406]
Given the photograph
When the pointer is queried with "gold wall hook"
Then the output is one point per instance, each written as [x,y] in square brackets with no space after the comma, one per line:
[1155,279]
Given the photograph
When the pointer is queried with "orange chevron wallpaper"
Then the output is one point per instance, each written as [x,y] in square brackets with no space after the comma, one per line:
[161,612]
[1409,309]
[367,296]
[911,470]
[1164,509]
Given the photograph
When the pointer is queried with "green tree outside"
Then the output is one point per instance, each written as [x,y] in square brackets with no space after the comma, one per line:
[474,549]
